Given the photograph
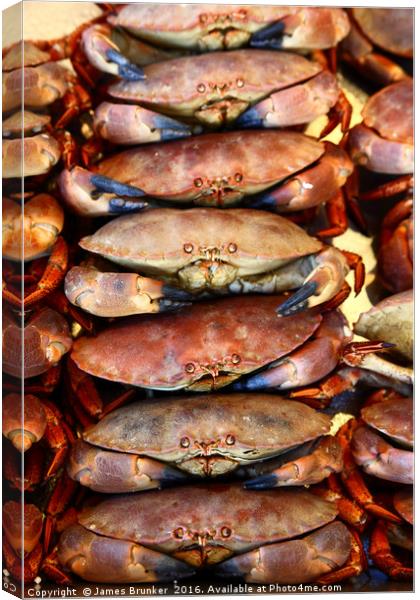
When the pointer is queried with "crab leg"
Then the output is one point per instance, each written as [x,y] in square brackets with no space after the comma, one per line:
[296,105]
[355,564]
[295,561]
[304,470]
[115,472]
[130,124]
[121,294]
[87,554]
[312,186]
[380,551]
[317,358]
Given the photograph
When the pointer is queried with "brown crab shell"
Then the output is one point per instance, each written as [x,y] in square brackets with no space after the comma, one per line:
[238,427]
[385,109]
[238,162]
[390,28]
[182,85]
[391,320]
[165,240]
[226,338]
[235,520]
[392,417]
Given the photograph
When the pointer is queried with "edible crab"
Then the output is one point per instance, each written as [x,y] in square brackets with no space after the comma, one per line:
[46,339]
[253,88]
[38,84]
[390,29]
[217,169]
[204,250]
[396,252]
[206,27]
[384,142]
[137,446]
[221,341]
[204,525]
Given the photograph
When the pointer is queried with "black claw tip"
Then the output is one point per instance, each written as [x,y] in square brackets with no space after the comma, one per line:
[250,118]
[120,206]
[106,184]
[263,201]
[268,37]
[166,305]
[261,483]
[173,293]
[297,301]
[126,69]
[257,382]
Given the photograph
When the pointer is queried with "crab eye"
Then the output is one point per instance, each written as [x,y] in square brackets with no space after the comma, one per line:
[185,442]
[189,367]
[230,440]
[236,359]
[198,182]
[201,88]
[188,248]
[238,177]
[226,532]
[178,533]
[240,83]
[232,248]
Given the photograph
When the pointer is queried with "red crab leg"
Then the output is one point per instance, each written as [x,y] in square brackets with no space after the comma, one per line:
[398,213]
[351,194]
[353,480]
[348,510]
[84,389]
[53,274]
[59,500]
[340,114]
[389,189]
[53,570]
[59,302]
[31,563]
[381,554]
[355,263]
[56,438]
[336,215]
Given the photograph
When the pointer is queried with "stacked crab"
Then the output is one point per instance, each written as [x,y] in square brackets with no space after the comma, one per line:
[208,297]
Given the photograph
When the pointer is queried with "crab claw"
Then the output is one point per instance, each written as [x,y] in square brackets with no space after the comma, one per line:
[114,472]
[269,37]
[88,555]
[105,55]
[120,294]
[295,561]
[89,194]
[131,124]
[322,283]
[309,101]
[308,469]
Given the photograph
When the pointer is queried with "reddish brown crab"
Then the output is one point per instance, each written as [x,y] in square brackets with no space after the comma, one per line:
[253,88]
[39,83]
[214,170]
[390,29]
[384,142]
[203,525]
[221,340]
[205,436]
[206,27]
[203,250]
